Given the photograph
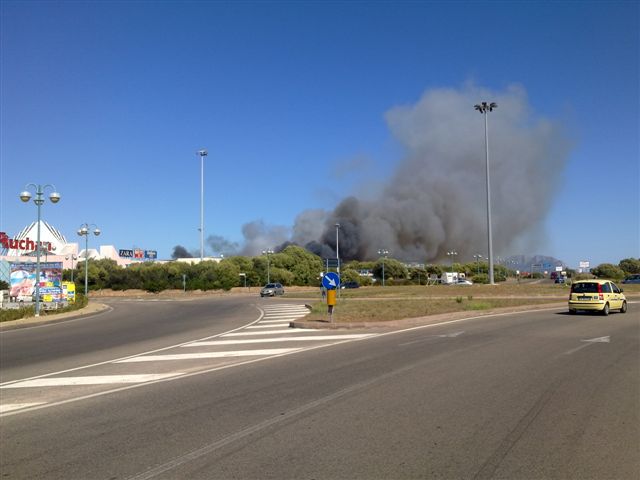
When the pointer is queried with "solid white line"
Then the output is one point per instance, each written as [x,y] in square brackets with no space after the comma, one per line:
[274,325]
[287,315]
[288,330]
[315,338]
[91,380]
[195,356]
[16,406]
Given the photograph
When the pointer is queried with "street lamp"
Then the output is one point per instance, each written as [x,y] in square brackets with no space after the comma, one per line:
[54,197]
[203,153]
[244,275]
[452,254]
[84,231]
[383,252]
[267,253]
[73,258]
[484,108]
[477,256]
[338,247]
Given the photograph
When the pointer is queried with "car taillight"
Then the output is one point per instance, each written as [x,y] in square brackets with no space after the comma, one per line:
[600,294]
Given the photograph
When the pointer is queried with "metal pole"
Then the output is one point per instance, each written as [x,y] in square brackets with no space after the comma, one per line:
[86,264]
[338,247]
[268,272]
[39,202]
[383,271]
[486,142]
[201,207]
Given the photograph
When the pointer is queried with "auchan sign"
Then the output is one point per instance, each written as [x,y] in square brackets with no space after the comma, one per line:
[22,243]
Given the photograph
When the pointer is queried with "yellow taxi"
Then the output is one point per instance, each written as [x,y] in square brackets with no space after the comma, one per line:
[599,295]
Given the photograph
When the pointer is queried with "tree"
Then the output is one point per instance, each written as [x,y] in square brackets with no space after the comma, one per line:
[393,269]
[608,270]
[630,265]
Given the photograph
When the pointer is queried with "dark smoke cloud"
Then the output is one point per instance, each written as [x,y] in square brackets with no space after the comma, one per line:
[260,236]
[221,246]
[180,252]
[436,199]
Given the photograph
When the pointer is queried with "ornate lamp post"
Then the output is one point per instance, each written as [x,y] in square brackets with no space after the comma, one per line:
[84,231]
[383,252]
[267,253]
[54,197]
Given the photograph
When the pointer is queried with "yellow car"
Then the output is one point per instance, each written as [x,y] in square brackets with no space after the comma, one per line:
[599,295]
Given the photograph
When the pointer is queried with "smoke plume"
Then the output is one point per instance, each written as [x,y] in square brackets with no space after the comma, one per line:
[436,199]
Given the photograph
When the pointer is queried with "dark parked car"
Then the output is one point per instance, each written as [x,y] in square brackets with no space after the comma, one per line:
[271,290]
[350,285]
[632,278]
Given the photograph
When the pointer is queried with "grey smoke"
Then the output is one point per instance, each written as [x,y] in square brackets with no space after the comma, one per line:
[436,199]
[220,245]
[259,236]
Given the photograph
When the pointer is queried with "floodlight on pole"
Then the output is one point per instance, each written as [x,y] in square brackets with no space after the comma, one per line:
[484,108]
[383,253]
[203,153]
[54,197]
[267,253]
[452,254]
[84,231]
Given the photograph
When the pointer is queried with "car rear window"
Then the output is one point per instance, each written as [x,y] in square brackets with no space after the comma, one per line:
[587,287]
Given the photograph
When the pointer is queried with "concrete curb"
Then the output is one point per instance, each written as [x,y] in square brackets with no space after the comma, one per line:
[90,309]
[411,322]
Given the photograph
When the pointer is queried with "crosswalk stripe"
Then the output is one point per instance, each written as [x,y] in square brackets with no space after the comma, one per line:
[315,338]
[17,406]
[273,325]
[90,380]
[194,356]
[288,331]
[275,321]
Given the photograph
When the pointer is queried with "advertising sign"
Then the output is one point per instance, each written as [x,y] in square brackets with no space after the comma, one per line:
[23,277]
[138,253]
[584,264]
[150,254]
[69,291]
[125,253]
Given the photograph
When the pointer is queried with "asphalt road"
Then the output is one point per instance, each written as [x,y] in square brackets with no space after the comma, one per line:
[533,395]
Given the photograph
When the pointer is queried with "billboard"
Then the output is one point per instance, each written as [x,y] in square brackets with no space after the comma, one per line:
[23,277]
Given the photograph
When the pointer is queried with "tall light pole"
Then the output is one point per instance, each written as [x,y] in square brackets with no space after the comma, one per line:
[73,258]
[84,231]
[484,108]
[54,197]
[452,254]
[267,253]
[477,256]
[203,153]
[338,246]
[383,252]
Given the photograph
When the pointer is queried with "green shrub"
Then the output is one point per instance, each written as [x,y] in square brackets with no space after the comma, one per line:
[480,278]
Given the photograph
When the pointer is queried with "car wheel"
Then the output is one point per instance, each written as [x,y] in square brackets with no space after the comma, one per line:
[623,309]
[572,311]
[605,310]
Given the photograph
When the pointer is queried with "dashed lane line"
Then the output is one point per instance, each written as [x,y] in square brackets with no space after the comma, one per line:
[91,380]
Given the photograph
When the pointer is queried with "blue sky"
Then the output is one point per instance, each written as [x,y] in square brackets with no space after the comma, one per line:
[110,101]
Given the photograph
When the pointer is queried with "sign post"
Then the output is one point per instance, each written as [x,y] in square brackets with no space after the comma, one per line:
[331,281]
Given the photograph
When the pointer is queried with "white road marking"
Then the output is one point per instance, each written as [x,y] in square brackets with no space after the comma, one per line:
[91,380]
[276,321]
[429,337]
[315,338]
[587,342]
[273,325]
[288,330]
[17,406]
[280,317]
[196,356]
